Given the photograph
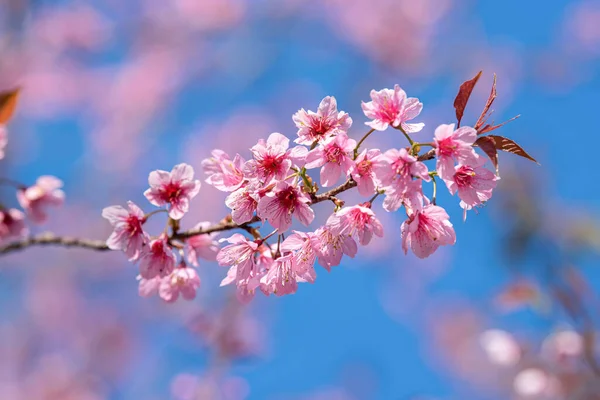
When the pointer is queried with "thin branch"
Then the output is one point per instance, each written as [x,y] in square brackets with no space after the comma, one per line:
[50,239]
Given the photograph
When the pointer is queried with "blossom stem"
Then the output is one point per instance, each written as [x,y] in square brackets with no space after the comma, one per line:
[153,213]
[269,235]
[361,142]
[399,127]
[434,188]
[13,183]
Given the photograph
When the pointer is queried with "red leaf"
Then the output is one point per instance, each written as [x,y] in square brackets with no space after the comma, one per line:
[464,92]
[484,114]
[8,102]
[510,146]
[490,127]
[488,145]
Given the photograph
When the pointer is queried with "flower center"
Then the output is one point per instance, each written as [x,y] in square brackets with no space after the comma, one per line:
[464,176]
[334,154]
[287,199]
[171,192]
[364,167]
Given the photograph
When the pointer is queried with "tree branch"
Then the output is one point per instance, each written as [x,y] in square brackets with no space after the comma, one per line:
[50,239]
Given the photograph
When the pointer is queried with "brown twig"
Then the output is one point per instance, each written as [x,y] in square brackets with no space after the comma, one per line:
[50,239]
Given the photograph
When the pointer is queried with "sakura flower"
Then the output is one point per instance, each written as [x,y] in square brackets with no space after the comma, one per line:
[365,169]
[300,244]
[201,246]
[396,168]
[148,287]
[454,145]
[426,229]
[128,234]
[223,173]
[330,247]
[327,121]
[392,107]
[335,156]
[175,189]
[158,259]
[359,220]
[474,184]
[12,224]
[409,195]
[281,203]
[243,203]
[239,253]
[3,140]
[34,199]
[271,159]
[281,278]
[183,280]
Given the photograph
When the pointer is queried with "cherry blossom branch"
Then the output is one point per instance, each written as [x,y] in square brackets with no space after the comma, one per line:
[50,239]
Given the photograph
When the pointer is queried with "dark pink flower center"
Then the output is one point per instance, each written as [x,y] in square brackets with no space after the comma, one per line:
[134,225]
[464,176]
[319,127]
[364,167]
[447,147]
[288,199]
[271,163]
[334,154]
[171,192]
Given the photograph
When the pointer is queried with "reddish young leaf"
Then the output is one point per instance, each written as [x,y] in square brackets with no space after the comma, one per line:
[484,114]
[464,92]
[510,146]
[488,145]
[491,127]
[8,102]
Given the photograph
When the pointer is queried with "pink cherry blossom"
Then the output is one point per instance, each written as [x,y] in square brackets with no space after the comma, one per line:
[223,173]
[327,121]
[365,171]
[330,247]
[281,279]
[474,184]
[454,145]
[398,167]
[12,224]
[271,159]
[239,253]
[409,196]
[284,201]
[392,107]
[243,203]
[300,244]
[426,229]
[35,199]
[182,280]
[204,246]
[174,189]
[3,140]
[148,287]
[335,156]
[357,220]
[128,234]
[157,259]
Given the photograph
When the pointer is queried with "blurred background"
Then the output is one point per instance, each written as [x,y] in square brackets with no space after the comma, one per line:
[114,89]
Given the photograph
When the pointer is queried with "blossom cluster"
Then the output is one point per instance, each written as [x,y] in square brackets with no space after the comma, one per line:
[34,200]
[273,187]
